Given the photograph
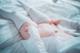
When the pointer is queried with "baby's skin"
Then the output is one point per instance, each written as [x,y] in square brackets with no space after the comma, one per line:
[45,29]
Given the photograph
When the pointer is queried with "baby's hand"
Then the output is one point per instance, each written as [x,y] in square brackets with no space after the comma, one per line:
[54,21]
[24,31]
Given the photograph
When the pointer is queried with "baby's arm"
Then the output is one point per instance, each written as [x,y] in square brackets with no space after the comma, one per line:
[46,29]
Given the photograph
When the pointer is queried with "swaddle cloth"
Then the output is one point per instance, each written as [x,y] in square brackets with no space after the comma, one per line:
[70,26]
[34,44]
[50,44]
[8,33]
[66,42]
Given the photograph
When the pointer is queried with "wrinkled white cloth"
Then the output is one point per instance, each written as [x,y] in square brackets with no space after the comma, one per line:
[59,10]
